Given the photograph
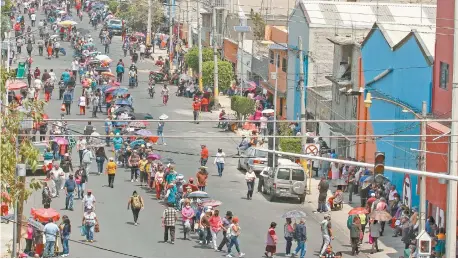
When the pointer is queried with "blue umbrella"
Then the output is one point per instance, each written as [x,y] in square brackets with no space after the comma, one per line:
[122,102]
[103,88]
[120,91]
[137,143]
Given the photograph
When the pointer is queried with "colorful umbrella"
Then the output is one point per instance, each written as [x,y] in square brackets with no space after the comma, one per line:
[380,215]
[16,85]
[120,91]
[139,34]
[115,84]
[137,143]
[67,23]
[198,194]
[211,203]
[43,215]
[111,89]
[61,141]
[153,157]
[138,125]
[357,211]
[102,57]
[109,74]
[294,214]
[145,133]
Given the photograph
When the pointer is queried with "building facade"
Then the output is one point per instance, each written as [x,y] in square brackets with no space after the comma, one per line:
[397,65]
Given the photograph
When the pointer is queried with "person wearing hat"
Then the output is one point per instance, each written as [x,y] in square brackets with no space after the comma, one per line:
[88,201]
[226,223]
[202,176]
[203,155]
[89,222]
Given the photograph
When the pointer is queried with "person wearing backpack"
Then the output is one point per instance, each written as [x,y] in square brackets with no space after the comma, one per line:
[136,204]
[87,159]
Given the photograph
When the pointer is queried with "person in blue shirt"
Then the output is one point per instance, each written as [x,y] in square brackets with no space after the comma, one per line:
[108,128]
[117,144]
[67,101]
[69,187]
[120,70]
[65,76]
[50,230]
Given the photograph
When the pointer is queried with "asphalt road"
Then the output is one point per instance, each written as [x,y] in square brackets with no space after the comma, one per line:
[118,236]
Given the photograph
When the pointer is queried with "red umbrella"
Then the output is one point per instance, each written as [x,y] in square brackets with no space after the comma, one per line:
[43,215]
[211,203]
[16,85]
[357,211]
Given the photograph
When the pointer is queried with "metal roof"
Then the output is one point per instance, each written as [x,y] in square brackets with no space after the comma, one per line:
[364,14]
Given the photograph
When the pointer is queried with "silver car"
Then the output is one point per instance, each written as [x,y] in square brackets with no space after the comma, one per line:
[253,158]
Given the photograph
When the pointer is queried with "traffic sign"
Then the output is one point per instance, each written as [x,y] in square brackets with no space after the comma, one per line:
[312,149]
[242,28]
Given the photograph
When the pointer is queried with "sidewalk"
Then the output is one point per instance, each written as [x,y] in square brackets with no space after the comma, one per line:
[390,247]
[6,239]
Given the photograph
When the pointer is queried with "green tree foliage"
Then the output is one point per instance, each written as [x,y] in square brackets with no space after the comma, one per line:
[11,142]
[259,25]
[292,145]
[225,74]
[113,6]
[192,57]
[135,14]
[242,106]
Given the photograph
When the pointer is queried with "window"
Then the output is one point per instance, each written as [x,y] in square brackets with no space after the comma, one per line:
[284,64]
[298,175]
[278,61]
[443,75]
[260,153]
[283,174]
[272,56]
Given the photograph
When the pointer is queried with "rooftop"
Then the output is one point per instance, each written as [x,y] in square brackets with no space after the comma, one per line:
[364,14]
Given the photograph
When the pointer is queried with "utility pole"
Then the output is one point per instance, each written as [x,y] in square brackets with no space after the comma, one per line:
[277,57]
[171,18]
[303,116]
[215,60]
[450,218]
[148,30]
[424,111]
[242,39]
[188,22]
[199,44]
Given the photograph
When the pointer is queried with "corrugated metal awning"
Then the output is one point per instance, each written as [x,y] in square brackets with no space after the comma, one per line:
[278,46]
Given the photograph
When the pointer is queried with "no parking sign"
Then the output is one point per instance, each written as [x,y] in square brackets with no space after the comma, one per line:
[312,149]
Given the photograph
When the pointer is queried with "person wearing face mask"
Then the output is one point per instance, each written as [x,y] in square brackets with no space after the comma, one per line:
[188,214]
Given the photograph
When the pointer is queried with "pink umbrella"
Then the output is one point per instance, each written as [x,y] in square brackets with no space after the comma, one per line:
[111,89]
[154,157]
[139,34]
[115,84]
[61,141]
[211,203]
[16,85]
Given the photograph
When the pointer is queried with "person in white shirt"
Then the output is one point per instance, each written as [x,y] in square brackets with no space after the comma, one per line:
[75,66]
[81,145]
[142,50]
[263,125]
[219,161]
[58,176]
[82,105]
[392,193]
[89,201]
[53,77]
[33,18]
[31,93]
[38,84]
[250,178]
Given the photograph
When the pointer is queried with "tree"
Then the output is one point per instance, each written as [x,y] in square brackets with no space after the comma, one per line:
[259,25]
[225,74]
[113,6]
[192,57]
[242,106]
[11,143]
[135,14]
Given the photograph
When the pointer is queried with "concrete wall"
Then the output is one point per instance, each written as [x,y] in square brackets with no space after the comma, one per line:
[407,86]
[442,98]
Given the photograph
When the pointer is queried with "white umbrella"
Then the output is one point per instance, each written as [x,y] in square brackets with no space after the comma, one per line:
[268,111]
[62,12]
[163,117]
[102,57]
[54,36]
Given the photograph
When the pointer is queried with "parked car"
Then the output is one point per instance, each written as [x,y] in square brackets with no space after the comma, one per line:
[41,146]
[253,158]
[115,26]
[287,179]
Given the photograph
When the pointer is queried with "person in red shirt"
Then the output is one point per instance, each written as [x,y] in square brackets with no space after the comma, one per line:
[271,242]
[204,104]
[196,106]
[370,201]
[203,155]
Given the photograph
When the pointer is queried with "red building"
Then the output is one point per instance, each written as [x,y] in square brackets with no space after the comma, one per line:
[437,158]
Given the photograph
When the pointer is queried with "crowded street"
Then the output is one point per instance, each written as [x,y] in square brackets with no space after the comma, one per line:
[119,236]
